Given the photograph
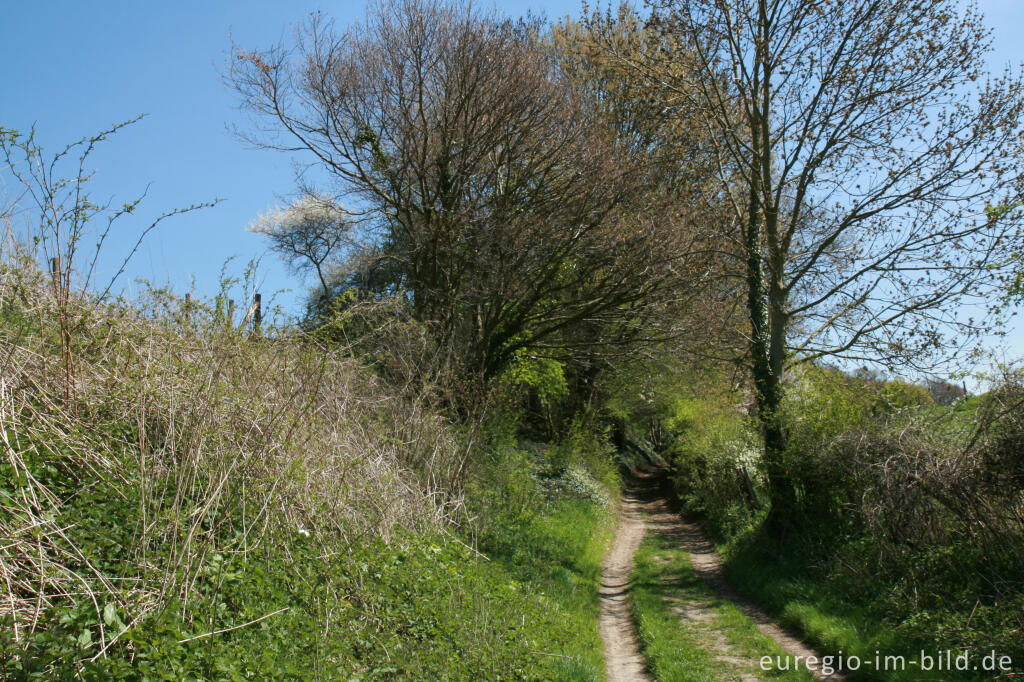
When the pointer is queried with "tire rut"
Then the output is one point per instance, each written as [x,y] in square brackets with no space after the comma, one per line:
[623,660]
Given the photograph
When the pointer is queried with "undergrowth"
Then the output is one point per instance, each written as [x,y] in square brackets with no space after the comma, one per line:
[908,534]
[219,503]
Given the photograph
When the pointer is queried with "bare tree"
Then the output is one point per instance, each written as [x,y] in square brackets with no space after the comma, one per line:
[506,208]
[859,148]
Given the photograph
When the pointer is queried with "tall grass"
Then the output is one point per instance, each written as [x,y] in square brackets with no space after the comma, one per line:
[189,439]
[216,502]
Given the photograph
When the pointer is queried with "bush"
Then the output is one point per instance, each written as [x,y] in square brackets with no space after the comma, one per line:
[910,527]
[716,463]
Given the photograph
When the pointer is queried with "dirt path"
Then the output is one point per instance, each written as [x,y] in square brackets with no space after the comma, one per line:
[623,662]
[644,498]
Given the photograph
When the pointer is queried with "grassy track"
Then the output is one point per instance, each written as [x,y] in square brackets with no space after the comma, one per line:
[689,634]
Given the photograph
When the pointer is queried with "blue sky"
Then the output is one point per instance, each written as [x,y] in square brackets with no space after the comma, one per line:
[74,67]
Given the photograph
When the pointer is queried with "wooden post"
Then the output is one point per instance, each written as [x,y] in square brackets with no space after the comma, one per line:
[231,312]
[257,315]
[58,285]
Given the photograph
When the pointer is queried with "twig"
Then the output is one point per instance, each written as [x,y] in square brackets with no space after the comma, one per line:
[971,617]
[236,627]
[474,551]
[116,637]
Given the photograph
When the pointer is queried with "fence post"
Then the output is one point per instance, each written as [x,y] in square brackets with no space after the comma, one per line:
[257,315]
[58,285]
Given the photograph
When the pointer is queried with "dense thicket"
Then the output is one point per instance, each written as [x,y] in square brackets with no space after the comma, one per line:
[907,527]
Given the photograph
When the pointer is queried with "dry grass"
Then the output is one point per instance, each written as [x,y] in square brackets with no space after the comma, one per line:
[229,440]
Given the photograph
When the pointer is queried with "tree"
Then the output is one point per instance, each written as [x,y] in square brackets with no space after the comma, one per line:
[309,233]
[608,57]
[858,148]
[505,208]
[674,153]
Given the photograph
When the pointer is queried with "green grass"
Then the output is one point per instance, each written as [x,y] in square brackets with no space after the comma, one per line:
[835,612]
[681,649]
[419,606]
[550,534]
[559,555]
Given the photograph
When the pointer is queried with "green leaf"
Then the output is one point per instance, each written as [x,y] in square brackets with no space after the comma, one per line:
[85,639]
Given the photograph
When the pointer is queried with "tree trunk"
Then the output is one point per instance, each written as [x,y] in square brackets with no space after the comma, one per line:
[768,354]
[783,496]
[768,387]
[767,301]
[767,350]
